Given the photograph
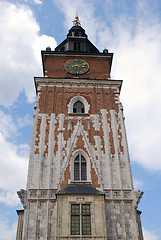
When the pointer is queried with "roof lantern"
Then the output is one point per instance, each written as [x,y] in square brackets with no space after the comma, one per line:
[77,40]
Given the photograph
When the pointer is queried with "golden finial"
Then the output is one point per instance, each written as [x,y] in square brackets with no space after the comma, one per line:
[76,21]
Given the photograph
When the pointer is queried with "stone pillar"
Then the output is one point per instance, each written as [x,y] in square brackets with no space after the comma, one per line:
[20,224]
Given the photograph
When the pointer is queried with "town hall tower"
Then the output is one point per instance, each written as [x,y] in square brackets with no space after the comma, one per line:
[79,178]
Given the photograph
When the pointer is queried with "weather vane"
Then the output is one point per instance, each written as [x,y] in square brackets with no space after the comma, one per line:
[76,21]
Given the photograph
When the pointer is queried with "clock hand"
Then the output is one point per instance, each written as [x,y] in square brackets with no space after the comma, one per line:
[76,66]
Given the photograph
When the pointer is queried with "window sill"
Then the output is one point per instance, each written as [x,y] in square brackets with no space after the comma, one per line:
[82,236]
[80,182]
[87,236]
[79,114]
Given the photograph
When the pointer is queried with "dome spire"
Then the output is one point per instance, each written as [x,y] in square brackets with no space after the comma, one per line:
[76,21]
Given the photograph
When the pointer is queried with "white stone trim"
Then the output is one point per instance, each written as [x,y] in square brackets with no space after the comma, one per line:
[77,82]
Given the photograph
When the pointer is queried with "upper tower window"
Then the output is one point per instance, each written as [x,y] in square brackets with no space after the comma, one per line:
[78,107]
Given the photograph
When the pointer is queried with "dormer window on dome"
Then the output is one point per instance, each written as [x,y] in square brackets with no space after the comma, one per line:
[77,46]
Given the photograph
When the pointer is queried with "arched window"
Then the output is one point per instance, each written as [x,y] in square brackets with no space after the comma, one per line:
[77,46]
[80,168]
[78,107]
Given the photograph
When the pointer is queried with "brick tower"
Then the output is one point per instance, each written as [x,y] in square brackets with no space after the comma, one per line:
[79,179]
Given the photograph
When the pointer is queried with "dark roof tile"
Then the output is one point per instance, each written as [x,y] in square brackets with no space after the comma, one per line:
[80,189]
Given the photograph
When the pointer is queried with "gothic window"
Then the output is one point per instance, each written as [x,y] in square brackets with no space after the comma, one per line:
[78,107]
[80,219]
[77,46]
[80,168]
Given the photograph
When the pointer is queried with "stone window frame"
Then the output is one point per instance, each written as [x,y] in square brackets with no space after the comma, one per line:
[84,102]
[88,169]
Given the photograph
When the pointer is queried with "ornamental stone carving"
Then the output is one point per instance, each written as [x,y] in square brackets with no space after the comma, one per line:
[22,194]
[127,194]
[33,193]
[137,196]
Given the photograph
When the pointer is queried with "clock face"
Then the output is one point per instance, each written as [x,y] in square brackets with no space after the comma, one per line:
[76,66]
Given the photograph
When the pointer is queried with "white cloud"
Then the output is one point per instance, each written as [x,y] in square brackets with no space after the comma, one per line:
[7,232]
[13,161]
[24,121]
[150,235]
[137,62]
[7,127]
[86,12]
[39,2]
[138,183]
[21,44]
[13,171]
[136,42]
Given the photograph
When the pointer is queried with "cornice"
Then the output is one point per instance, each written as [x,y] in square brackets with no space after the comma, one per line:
[77,82]
[77,55]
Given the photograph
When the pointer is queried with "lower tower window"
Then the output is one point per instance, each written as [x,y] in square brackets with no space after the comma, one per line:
[80,219]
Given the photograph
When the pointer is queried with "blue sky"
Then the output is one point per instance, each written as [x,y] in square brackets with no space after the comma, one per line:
[129,29]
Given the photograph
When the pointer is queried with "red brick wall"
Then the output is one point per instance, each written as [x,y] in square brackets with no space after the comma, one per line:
[56,99]
[99,67]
